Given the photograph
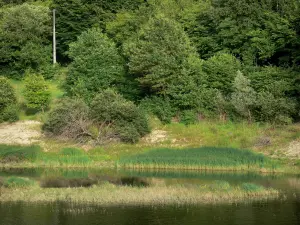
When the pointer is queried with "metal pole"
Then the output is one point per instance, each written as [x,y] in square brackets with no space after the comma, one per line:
[54,39]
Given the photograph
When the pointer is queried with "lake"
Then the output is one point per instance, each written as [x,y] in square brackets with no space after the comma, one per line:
[285,210]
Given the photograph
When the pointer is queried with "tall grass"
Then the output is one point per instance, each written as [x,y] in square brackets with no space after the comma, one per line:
[16,182]
[66,157]
[209,158]
[15,154]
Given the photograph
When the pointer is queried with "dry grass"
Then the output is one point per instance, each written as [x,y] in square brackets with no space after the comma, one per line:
[109,194]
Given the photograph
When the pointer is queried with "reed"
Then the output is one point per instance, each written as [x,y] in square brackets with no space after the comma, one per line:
[17,182]
[109,194]
[16,154]
[205,158]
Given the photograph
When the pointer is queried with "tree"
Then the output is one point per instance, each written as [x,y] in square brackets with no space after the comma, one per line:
[77,16]
[162,58]
[96,65]
[36,92]
[244,97]
[24,37]
[8,101]
[221,70]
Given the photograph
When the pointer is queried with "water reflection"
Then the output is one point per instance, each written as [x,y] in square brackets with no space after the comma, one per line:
[283,211]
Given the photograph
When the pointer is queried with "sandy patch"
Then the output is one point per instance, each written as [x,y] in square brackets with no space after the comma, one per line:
[156,136]
[22,132]
[293,149]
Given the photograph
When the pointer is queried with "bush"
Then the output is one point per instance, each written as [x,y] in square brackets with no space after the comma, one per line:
[16,182]
[109,117]
[68,119]
[36,92]
[8,102]
[160,107]
[126,119]
[188,117]
[278,110]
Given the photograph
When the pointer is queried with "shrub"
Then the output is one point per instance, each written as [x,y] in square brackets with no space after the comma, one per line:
[109,117]
[188,117]
[36,92]
[244,97]
[127,120]
[16,182]
[68,119]
[278,110]
[8,101]
[159,106]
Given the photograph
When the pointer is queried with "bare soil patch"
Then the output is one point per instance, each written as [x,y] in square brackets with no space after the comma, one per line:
[21,132]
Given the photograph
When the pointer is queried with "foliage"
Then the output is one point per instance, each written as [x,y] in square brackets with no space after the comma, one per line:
[108,117]
[221,70]
[159,106]
[36,92]
[275,109]
[24,42]
[96,65]
[244,97]
[128,121]
[188,117]
[77,16]
[68,118]
[162,58]
[8,101]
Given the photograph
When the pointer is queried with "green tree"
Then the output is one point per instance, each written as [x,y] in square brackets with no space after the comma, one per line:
[244,97]
[24,37]
[96,65]
[36,92]
[77,16]
[221,70]
[162,58]
[8,101]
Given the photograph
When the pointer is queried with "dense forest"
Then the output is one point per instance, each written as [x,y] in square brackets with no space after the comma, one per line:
[121,60]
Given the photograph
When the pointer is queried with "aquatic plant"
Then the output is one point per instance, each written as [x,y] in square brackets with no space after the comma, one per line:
[250,187]
[16,182]
[208,158]
[15,154]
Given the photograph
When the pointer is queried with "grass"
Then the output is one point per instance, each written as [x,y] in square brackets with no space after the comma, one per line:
[109,194]
[208,158]
[16,154]
[66,157]
[17,182]
[18,85]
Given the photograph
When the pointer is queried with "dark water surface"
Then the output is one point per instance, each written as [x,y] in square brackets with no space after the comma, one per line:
[283,211]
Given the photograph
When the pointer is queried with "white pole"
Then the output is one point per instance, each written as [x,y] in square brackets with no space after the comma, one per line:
[54,39]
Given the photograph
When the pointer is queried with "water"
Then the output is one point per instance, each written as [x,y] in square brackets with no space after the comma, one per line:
[283,211]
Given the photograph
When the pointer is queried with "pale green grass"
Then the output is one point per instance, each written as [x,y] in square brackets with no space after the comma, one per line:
[55,90]
[109,194]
